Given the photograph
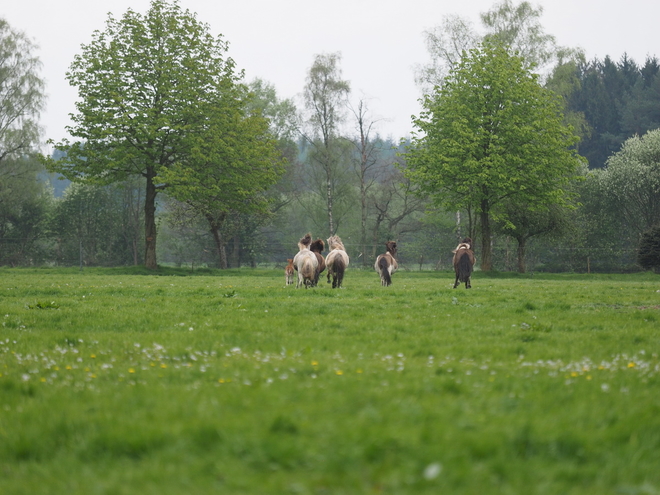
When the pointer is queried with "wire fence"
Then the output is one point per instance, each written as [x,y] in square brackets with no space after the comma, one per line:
[86,252]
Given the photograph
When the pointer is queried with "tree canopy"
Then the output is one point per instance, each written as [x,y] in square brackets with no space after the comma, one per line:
[148,86]
[490,134]
[631,181]
[21,94]
[516,27]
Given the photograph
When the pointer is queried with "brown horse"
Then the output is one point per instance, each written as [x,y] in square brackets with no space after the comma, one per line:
[336,261]
[386,264]
[464,262]
[305,262]
[288,272]
[317,247]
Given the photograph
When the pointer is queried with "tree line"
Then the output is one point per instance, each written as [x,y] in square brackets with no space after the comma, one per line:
[551,161]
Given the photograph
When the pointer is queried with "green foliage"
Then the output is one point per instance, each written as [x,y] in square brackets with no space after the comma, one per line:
[489,135]
[649,250]
[631,181]
[153,92]
[159,384]
[325,96]
[21,96]
[617,101]
[24,207]
[102,221]
[516,27]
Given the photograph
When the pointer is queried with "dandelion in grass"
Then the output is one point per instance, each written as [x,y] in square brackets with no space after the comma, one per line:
[631,364]
[339,372]
[131,370]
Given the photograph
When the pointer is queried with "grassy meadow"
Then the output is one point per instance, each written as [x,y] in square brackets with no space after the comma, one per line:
[117,381]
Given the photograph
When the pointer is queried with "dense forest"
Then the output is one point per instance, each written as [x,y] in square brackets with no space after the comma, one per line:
[325,172]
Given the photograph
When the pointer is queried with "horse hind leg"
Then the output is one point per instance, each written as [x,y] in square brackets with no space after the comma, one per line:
[456,282]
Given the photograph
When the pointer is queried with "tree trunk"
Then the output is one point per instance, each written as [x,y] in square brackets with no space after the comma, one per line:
[486,248]
[150,224]
[236,252]
[522,244]
[331,224]
[363,224]
[219,246]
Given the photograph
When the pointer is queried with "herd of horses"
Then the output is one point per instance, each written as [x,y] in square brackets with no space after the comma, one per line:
[310,263]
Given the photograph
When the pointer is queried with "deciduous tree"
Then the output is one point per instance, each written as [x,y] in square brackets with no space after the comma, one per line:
[21,95]
[325,99]
[490,134]
[631,181]
[149,86]
[230,170]
[517,27]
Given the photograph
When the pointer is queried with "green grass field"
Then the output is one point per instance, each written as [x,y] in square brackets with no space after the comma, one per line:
[121,382]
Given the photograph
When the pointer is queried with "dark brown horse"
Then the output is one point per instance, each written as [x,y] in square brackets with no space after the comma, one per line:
[464,262]
[317,248]
[386,264]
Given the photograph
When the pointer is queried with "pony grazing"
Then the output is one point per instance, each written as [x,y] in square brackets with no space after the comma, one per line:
[336,261]
[306,263]
[464,262]
[317,247]
[386,264]
[288,272]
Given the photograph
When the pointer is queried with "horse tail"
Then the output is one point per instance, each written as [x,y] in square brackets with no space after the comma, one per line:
[308,272]
[339,268]
[464,268]
[383,267]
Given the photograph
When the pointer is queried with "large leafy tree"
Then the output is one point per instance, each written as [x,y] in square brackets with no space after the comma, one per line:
[21,95]
[631,182]
[149,87]
[492,134]
[221,181]
[23,200]
[325,100]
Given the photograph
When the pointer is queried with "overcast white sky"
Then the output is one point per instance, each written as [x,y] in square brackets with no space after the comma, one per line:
[380,41]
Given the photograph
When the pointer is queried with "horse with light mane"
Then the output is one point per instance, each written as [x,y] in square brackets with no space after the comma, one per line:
[317,247]
[464,261]
[386,264]
[305,262]
[288,272]
[336,261]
